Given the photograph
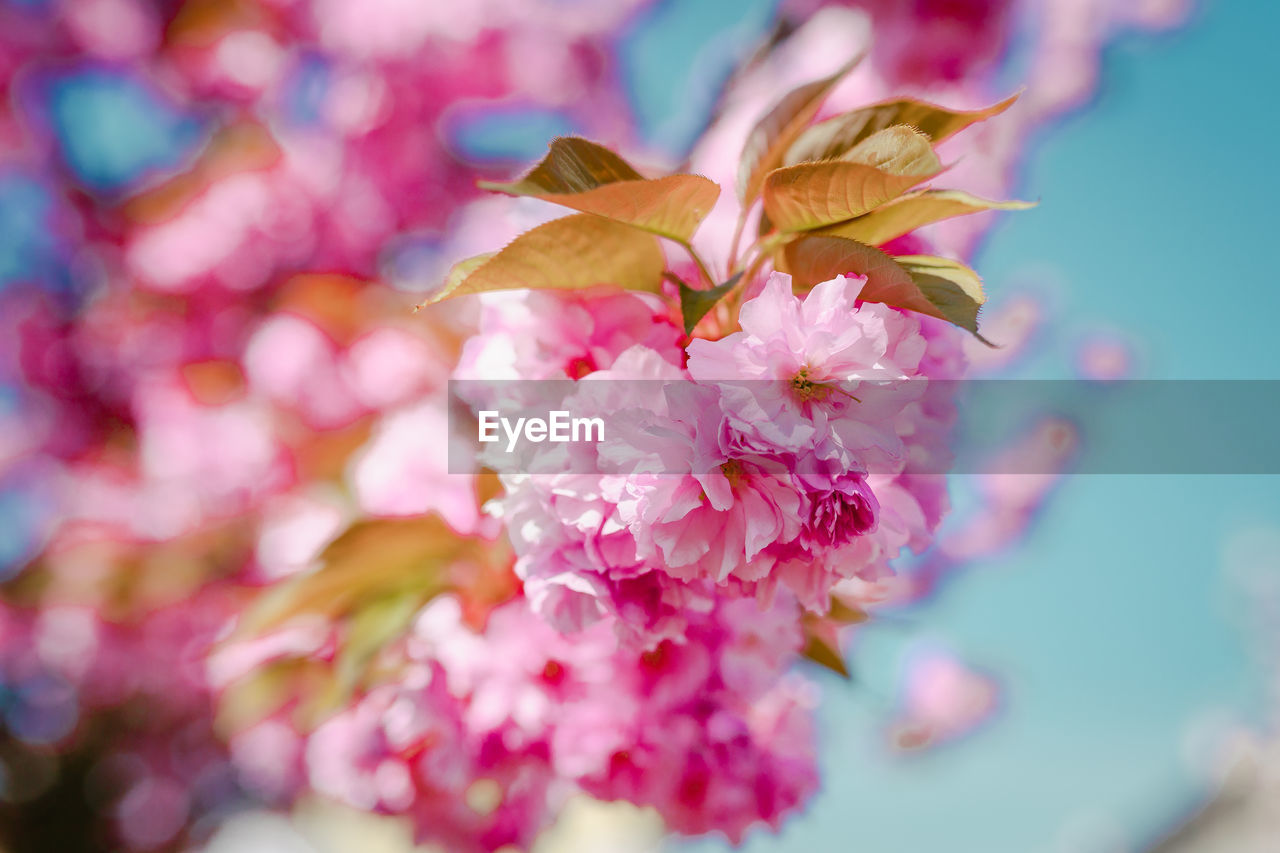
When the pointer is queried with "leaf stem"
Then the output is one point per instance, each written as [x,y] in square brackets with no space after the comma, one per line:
[674,279]
[737,238]
[702,267]
[758,251]
[747,277]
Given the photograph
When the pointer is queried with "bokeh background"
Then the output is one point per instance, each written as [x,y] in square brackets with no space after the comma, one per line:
[1126,629]
[1126,625]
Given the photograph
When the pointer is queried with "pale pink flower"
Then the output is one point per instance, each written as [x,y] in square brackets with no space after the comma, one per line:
[199,462]
[579,564]
[942,699]
[404,468]
[837,515]
[404,749]
[292,362]
[521,677]
[706,514]
[553,335]
[722,743]
[823,373]
[704,729]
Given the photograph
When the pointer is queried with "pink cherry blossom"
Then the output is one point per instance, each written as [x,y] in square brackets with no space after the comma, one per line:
[818,373]
[549,335]
[941,699]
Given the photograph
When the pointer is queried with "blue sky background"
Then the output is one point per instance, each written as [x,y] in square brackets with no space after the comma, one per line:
[1116,631]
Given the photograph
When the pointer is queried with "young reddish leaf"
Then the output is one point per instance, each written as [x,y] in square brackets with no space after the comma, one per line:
[764,226]
[876,170]
[937,287]
[815,259]
[584,176]
[846,614]
[811,195]
[898,150]
[907,213]
[572,165]
[778,129]
[572,253]
[694,304]
[830,139]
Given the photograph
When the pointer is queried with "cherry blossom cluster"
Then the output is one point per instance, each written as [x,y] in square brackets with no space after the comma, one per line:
[792,455]
[481,728]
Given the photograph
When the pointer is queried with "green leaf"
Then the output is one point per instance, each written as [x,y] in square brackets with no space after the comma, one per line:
[370,630]
[830,139]
[459,272]
[572,253]
[822,645]
[694,304]
[372,560]
[938,287]
[953,289]
[822,635]
[264,690]
[877,170]
[588,177]
[779,128]
[909,212]
[370,583]
[825,655]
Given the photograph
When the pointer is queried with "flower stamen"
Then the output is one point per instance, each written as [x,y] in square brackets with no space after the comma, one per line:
[806,389]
